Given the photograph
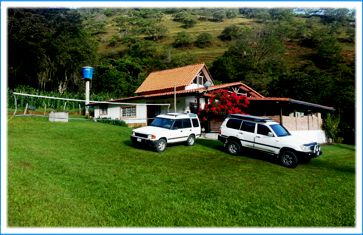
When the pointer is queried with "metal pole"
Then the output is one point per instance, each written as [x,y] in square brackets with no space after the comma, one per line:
[87,98]
[175,99]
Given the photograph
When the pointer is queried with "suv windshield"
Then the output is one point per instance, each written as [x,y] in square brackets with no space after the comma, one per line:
[279,130]
[162,122]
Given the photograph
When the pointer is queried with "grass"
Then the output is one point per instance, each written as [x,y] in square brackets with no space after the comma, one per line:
[88,174]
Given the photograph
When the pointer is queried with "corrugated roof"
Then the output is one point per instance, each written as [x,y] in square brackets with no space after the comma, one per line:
[292,101]
[170,78]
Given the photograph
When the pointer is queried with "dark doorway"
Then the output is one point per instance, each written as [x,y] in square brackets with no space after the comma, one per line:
[152,112]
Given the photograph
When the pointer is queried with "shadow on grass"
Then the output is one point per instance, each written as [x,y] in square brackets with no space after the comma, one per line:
[252,154]
[334,166]
[145,146]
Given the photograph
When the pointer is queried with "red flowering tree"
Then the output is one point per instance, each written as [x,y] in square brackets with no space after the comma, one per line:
[222,103]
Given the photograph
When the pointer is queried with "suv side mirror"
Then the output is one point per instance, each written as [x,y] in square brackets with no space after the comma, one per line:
[270,134]
[175,128]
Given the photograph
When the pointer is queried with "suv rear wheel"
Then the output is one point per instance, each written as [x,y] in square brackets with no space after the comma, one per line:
[233,147]
[191,140]
[289,159]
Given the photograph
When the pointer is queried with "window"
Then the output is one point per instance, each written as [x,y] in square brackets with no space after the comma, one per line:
[178,124]
[248,126]
[103,110]
[186,123]
[262,129]
[280,130]
[162,122]
[234,123]
[128,111]
[195,122]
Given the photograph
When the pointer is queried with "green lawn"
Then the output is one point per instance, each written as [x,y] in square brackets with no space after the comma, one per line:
[87,174]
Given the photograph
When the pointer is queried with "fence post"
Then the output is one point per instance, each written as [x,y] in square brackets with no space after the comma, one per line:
[26,108]
[16,105]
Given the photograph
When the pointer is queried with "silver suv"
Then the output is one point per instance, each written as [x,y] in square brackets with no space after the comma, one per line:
[264,134]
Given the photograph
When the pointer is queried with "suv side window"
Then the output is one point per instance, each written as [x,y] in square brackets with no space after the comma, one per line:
[195,122]
[248,126]
[234,123]
[262,129]
[186,123]
[178,124]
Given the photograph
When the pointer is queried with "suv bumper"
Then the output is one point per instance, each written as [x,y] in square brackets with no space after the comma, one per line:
[310,154]
[138,140]
[222,138]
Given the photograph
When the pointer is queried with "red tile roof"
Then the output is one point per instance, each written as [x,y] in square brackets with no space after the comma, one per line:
[242,86]
[170,78]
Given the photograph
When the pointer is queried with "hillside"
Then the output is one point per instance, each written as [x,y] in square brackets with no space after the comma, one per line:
[295,52]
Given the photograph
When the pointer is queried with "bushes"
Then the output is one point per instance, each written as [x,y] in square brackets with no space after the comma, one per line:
[203,40]
[183,39]
[331,127]
[112,121]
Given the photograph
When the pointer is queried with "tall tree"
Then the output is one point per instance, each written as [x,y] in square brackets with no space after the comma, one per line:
[47,48]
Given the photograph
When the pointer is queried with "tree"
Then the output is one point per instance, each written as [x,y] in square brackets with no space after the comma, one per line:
[189,21]
[230,14]
[183,39]
[222,103]
[47,48]
[281,14]
[219,16]
[155,31]
[255,57]
[232,32]
[203,40]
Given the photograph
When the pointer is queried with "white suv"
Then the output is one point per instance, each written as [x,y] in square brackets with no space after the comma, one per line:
[265,135]
[168,128]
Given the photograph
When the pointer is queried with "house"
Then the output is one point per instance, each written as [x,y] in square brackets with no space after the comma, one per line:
[187,89]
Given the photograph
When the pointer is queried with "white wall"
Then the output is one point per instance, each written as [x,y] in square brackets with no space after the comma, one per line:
[114,112]
[312,135]
[141,117]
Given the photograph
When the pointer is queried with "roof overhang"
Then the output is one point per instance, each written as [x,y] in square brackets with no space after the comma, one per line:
[278,100]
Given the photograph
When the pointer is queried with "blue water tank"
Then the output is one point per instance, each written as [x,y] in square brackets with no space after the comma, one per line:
[87,72]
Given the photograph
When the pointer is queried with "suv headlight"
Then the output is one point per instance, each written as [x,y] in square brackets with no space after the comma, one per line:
[305,148]
[309,147]
[151,137]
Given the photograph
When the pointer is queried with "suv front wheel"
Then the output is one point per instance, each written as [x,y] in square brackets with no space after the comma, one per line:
[160,145]
[233,147]
[289,159]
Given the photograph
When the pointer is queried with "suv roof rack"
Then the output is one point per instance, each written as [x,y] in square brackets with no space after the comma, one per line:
[250,118]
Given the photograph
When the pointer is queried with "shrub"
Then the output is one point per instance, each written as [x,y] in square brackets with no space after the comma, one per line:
[203,40]
[331,126]
[111,121]
[183,39]
[231,32]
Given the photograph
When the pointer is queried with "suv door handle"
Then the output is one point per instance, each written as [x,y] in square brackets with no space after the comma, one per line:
[241,133]
[258,136]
